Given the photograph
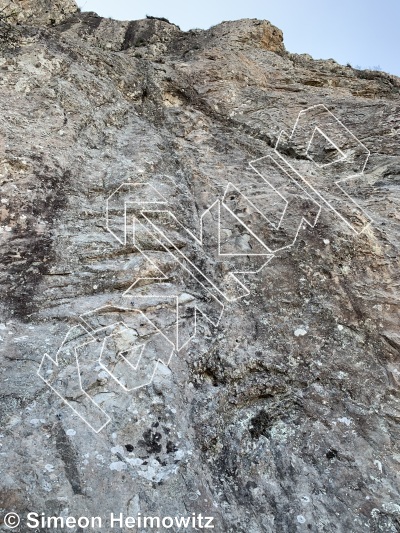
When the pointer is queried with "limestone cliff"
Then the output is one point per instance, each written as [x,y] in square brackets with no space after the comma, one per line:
[199,313]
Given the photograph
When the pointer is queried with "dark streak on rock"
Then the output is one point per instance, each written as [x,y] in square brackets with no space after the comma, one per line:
[24,275]
[69,458]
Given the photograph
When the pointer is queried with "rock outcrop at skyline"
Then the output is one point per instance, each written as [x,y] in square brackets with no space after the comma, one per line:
[200,276]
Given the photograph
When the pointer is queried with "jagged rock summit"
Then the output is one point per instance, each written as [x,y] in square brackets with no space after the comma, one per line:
[199,277]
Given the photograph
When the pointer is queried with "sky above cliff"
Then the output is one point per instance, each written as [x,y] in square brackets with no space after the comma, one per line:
[364,33]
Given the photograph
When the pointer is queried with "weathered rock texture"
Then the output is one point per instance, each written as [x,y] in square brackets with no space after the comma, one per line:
[38,12]
[285,417]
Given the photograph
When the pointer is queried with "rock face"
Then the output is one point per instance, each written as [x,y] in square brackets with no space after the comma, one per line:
[38,12]
[152,210]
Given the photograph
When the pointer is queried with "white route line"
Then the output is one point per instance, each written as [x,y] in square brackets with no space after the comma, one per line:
[160,200]
[219,296]
[365,150]
[48,361]
[285,171]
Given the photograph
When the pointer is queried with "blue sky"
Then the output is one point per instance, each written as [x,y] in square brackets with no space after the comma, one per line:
[365,33]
